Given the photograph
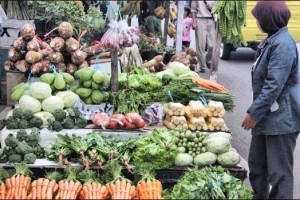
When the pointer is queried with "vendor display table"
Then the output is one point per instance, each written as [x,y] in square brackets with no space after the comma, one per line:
[49,137]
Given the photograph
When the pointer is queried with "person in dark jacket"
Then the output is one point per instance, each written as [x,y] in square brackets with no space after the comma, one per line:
[274,115]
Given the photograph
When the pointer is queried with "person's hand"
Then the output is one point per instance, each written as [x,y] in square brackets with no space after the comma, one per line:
[194,25]
[209,6]
[248,122]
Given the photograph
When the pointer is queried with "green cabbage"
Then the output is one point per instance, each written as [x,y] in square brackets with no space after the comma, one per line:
[68,97]
[217,144]
[221,134]
[229,159]
[27,102]
[178,68]
[40,90]
[52,103]
[183,160]
[207,158]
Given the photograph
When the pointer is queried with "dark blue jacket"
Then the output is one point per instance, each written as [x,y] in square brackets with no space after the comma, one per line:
[276,87]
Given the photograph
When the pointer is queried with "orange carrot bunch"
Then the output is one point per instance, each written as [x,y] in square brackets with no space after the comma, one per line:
[209,85]
[92,189]
[149,188]
[120,187]
[18,185]
[3,176]
[44,188]
[70,187]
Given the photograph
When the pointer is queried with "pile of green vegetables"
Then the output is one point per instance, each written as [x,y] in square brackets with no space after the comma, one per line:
[23,119]
[210,183]
[69,119]
[24,147]
[203,149]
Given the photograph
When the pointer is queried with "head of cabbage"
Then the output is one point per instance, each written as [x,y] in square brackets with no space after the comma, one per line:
[229,159]
[52,103]
[40,90]
[68,97]
[204,159]
[27,102]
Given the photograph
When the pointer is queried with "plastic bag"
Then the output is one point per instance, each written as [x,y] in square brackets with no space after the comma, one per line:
[154,114]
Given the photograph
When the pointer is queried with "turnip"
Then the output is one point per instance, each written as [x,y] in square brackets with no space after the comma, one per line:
[78,57]
[56,57]
[8,65]
[72,45]
[14,55]
[33,45]
[61,67]
[57,44]
[65,30]
[84,64]
[27,32]
[19,44]
[22,66]
[37,68]
[46,65]
[71,68]
[33,57]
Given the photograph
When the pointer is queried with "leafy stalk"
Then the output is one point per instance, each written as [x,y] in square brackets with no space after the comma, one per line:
[22,169]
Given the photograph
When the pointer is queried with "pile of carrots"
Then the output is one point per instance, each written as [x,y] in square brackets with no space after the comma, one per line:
[44,188]
[92,188]
[18,186]
[209,85]
[149,188]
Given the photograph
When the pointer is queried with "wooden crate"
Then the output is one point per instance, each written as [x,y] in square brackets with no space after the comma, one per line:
[12,79]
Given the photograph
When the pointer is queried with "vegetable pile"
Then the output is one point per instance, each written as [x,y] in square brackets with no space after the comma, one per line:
[210,183]
[204,149]
[57,81]
[22,147]
[19,119]
[188,57]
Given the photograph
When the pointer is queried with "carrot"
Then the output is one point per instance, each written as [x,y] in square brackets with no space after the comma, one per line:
[50,189]
[33,192]
[103,191]
[13,188]
[127,190]
[94,190]
[90,191]
[144,186]
[25,186]
[2,191]
[132,192]
[118,188]
[98,191]
[45,186]
[208,84]
[122,189]
[65,191]
[29,196]
[109,189]
[58,196]
[114,191]
[70,189]
[77,188]
[17,186]
[159,186]
[39,188]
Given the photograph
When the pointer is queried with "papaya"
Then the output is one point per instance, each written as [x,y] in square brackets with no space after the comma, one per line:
[69,79]
[84,92]
[98,77]
[87,84]
[106,81]
[95,85]
[97,97]
[85,74]
[16,95]
[21,85]
[47,78]
[74,88]
[88,100]
[105,96]
[59,82]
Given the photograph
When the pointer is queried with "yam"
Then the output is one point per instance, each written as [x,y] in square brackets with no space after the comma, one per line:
[44,45]
[19,44]
[78,57]
[71,68]
[14,55]
[65,30]
[8,65]
[61,67]
[46,66]
[22,66]
[57,44]
[72,45]
[194,60]
[56,57]
[33,45]
[27,32]
[37,68]
[33,57]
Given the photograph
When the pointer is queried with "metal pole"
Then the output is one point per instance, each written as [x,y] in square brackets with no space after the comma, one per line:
[180,13]
[167,16]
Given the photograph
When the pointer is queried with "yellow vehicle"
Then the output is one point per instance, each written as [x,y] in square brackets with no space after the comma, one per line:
[253,35]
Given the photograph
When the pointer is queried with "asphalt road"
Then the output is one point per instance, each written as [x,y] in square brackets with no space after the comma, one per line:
[235,75]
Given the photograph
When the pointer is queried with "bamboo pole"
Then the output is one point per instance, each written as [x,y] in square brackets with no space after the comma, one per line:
[179,28]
